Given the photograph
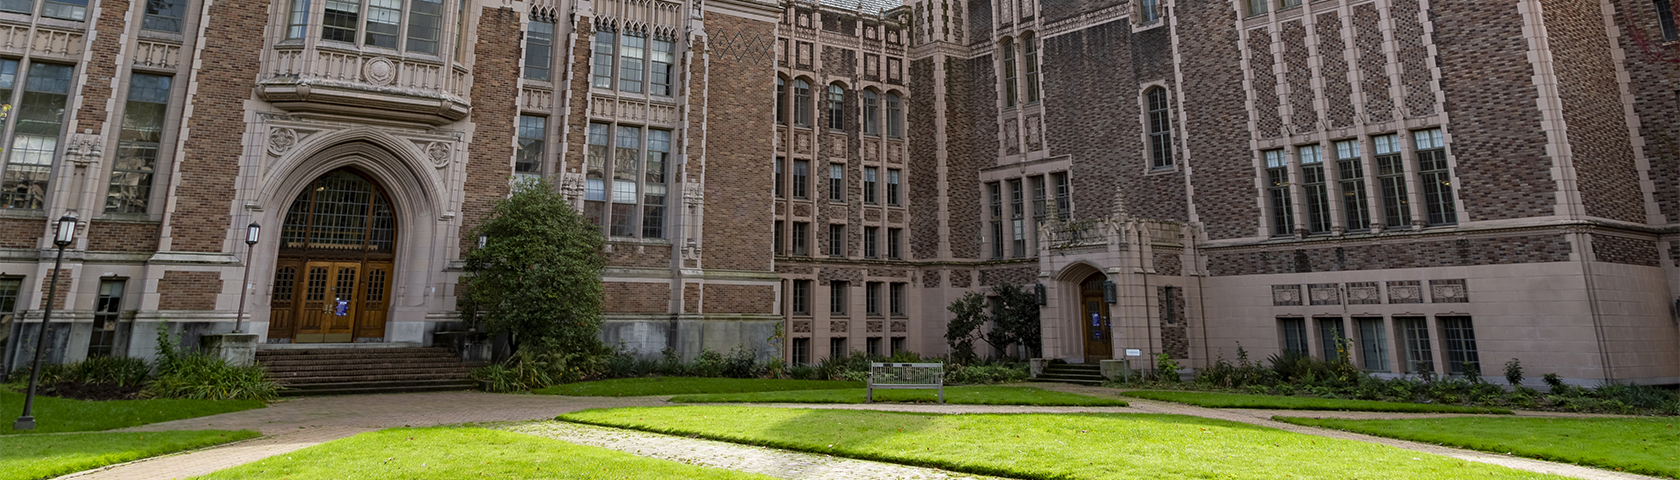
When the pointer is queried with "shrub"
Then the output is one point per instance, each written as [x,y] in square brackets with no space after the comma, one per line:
[1166,368]
[202,377]
[1514,372]
[1553,380]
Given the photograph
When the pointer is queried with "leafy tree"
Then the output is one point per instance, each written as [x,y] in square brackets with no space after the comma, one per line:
[963,330]
[538,274]
[1015,319]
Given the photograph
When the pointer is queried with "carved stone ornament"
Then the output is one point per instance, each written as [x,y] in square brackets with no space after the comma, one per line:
[439,153]
[281,140]
[571,186]
[84,149]
[1283,295]
[379,71]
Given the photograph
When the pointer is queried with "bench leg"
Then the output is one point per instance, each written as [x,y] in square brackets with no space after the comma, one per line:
[941,394]
[869,394]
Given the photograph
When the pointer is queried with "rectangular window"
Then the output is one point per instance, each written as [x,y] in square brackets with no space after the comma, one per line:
[1355,207]
[539,49]
[892,186]
[1277,192]
[1414,343]
[1391,178]
[1459,338]
[895,237]
[1257,7]
[8,306]
[75,10]
[801,351]
[836,182]
[1017,219]
[837,347]
[777,237]
[872,346]
[781,101]
[297,21]
[595,172]
[836,107]
[384,18]
[1031,45]
[137,146]
[836,240]
[1283,4]
[106,313]
[1294,335]
[777,188]
[1160,129]
[801,238]
[1064,197]
[164,15]
[532,131]
[1330,337]
[871,114]
[801,103]
[625,170]
[339,20]
[425,26]
[1665,20]
[872,298]
[1148,11]
[895,298]
[1435,177]
[836,298]
[1006,51]
[895,117]
[602,60]
[996,191]
[898,344]
[664,67]
[35,137]
[632,61]
[801,178]
[1313,186]
[1373,344]
[870,249]
[1038,193]
[869,184]
[655,187]
[801,302]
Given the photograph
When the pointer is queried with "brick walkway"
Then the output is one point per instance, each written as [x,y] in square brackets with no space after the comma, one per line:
[298,423]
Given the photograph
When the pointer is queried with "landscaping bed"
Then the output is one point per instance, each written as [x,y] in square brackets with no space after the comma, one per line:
[1238,400]
[971,395]
[1649,446]
[31,457]
[632,387]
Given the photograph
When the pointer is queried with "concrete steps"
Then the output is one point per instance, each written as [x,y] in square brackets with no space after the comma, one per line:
[1075,373]
[355,370]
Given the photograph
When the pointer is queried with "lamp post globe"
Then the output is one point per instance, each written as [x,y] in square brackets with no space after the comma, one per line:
[252,233]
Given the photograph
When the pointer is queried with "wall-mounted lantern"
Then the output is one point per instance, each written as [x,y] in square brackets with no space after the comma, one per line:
[1109,295]
[1040,295]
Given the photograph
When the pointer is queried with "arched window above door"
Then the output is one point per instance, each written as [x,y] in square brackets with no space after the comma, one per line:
[342,212]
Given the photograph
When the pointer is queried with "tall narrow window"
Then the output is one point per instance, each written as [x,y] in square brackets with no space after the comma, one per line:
[801,303]
[895,117]
[632,62]
[1373,344]
[801,238]
[1031,45]
[1294,335]
[778,177]
[996,193]
[35,137]
[1391,177]
[595,172]
[384,18]
[1665,20]
[781,101]
[870,184]
[625,169]
[801,178]
[1160,129]
[899,344]
[137,145]
[836,347]
[664,67]
[1064,196]
[297,22]
[1414,342]
[1006,52]
[871,242]
[1355,207]
[425,26]
[872,347]
[539,49]
[1314,187]
[1435,177]
[460,30]
[892,186]
[1283,4]
[871,114]
[602,59]
[1331,337]
[836,240]
[872,298]
[777,237]
[164,15]
[532,136]
[1257,7]
[654,188]
[836,298]
[801,350]
[801,103]
[65,9]
[895,299]
[1148,11]
[836,182]
[1277,192]
[1459,337]
[1038,193]
[895,240]
[1017,220]
[106,313]
[9,287]
[836,107]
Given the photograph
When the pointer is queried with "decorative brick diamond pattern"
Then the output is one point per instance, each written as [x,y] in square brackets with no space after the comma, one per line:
[1333,67]
[1373,64]
[1414,59]
[1303,116]
[1260,65]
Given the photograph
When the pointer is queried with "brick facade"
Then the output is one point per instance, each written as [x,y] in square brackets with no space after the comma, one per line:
[114,236]
[187,290]
[1378,256]
[624,297]
[739,298]
[215,131]
[495,108]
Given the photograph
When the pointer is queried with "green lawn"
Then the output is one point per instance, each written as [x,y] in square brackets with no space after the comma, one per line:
[450,453]
[29,457]
[63,415]
[1648,446]
[1044,446]
[1242,400]
[635,387]
[970,395]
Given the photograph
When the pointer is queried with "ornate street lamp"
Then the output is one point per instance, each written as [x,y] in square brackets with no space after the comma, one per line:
[63,238]
[252,232]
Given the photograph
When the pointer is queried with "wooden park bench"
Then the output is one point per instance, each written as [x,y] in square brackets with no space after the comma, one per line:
[906,376]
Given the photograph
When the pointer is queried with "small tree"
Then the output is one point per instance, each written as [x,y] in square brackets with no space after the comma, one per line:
[538,274]
[963,330]
[1015,319]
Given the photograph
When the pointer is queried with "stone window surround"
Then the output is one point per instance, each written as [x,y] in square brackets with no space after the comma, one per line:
[1367,151]
[1173,116]
[819,295]
[1394,342]
[1023,171]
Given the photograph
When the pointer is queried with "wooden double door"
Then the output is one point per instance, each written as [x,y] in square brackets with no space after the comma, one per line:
[330,301]
[1094,319]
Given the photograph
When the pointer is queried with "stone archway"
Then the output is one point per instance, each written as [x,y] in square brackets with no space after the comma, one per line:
[334,270]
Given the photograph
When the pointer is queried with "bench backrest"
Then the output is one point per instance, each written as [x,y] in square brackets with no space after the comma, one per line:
[906,373]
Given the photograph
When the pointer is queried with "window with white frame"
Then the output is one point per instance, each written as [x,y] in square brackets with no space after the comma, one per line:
[836,182]
[1373,344]
[164,15]
[376,23]
[37,126]
[75,10]
[645,63]
[895,116]
[871,113]
[1277,193]
[635,159]
[1160,128]
[1435,177]
[1148,11]
[1006,52]
[1314,189]
[1256,7]
[297,18]
[138,144]
[1458,336]
[1414,343]
[606,42]
[836,107]
[539,48]
[632,61]
[663,57]
[1030,45]
[1391,178]
[1356,208]
[532,136]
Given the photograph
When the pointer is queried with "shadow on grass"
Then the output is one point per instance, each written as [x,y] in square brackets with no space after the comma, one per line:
[54,415]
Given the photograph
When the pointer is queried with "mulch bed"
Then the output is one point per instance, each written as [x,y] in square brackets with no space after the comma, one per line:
[91,391]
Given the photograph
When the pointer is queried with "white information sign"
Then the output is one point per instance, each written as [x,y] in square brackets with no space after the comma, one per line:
[1134,352]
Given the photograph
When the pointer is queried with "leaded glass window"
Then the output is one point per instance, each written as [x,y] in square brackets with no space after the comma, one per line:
[138,143]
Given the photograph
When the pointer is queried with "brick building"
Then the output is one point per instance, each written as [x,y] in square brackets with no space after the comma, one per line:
[1445,186]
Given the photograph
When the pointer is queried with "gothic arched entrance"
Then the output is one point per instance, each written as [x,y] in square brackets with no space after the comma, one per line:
[1094,319]
[332,279]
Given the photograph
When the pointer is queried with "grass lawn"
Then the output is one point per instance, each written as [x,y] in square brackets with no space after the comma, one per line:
[63,415]
[971,395]
[450,453]
[1648,446]
[1045,446]
[29,457]
[635,387]
[1242,400]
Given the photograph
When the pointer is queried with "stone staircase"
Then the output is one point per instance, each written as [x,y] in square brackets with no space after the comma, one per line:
[1075,373]
[362,370]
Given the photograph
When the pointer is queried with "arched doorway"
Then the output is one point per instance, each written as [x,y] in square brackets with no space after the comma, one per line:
[332,279]
[1093,315]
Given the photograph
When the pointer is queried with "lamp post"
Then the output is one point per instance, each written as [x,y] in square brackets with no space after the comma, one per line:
[63,238]
[252,232]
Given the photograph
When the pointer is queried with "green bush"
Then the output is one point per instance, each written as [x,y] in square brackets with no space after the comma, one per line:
[123,371]
[202,377]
